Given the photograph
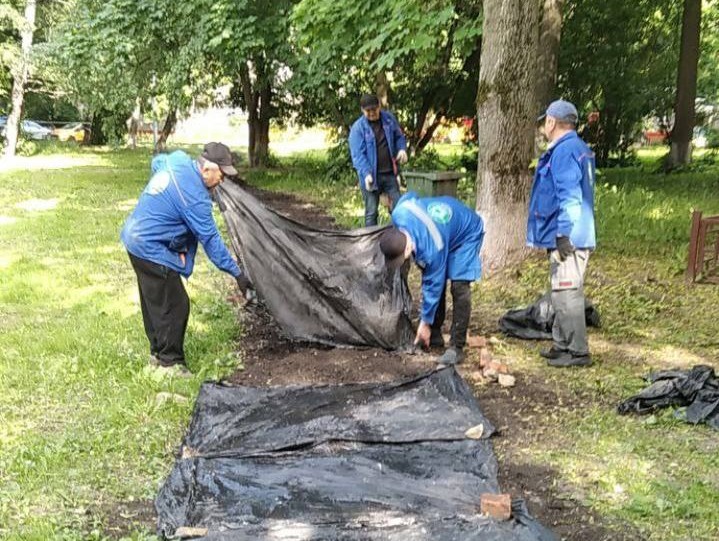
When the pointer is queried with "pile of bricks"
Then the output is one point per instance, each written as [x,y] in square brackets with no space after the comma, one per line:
[489,368]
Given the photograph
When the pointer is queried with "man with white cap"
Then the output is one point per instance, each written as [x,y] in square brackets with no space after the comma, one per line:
[561,221]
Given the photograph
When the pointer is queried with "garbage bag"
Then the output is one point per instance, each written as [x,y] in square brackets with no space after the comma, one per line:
[535,321]
[329,287]
[351,462]
[696,389]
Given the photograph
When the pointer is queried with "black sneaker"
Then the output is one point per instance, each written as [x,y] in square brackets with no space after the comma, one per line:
[567,360]
[552,353]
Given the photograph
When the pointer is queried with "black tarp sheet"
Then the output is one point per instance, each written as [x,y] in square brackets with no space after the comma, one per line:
[697,390]
[535,321]
[323,286]
[350,462]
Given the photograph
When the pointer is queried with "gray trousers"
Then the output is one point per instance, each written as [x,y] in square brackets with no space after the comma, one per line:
[569,331]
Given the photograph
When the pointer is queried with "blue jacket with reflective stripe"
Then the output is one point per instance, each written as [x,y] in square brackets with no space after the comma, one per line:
[363,146]
[562,200]
[438,226]
[173,213]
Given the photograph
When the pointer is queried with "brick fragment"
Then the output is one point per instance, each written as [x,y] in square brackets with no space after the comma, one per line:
[497,506]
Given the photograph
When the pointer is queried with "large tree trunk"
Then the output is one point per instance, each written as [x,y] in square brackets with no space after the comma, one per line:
[550,35]
[382,89]
[167,128]
[506,112]
[259,113]
[20,80]
[681,150]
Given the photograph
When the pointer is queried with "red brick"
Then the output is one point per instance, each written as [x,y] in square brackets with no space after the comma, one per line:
[476,342]
[498,367]
[498,506]
[485,357]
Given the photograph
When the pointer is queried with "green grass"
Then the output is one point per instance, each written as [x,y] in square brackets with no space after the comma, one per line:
[655,473]
[81,434]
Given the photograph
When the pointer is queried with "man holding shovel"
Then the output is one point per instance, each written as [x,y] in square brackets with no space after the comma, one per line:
[377,146]
[444,238]
[173,214]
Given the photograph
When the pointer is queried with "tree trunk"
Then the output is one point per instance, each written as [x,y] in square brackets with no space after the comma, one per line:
[258,102]
[97,131]
[550,34]
[506,112]
[426,137]
[20,78]
[681,150]
[167,128]
[382,89]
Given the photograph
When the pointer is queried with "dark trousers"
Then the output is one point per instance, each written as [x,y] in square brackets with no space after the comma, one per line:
[165,309]
[386,183]
[461,311]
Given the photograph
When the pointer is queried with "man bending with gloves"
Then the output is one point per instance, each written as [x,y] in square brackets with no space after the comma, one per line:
[377,146]
[444,238]
[173,213]
[561,221]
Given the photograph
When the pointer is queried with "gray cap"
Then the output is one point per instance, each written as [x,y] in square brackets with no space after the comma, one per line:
[562,110]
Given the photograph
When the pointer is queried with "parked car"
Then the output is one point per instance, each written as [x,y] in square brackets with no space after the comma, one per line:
[71,132]
[33,130]
[30,128]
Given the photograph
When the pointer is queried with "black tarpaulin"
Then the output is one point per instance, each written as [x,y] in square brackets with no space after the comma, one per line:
[535,321]
[697,390]
[322,286]
[351,462]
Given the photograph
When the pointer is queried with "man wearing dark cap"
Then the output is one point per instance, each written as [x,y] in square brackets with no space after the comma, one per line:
[173,214]
[444,238]
[561,221]
[377,146]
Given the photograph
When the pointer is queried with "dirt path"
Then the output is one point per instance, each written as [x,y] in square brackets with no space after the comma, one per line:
[270,359]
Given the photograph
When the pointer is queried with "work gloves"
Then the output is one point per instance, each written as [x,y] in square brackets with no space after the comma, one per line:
[402,157]
[368,183]
[246,288]
[564,247]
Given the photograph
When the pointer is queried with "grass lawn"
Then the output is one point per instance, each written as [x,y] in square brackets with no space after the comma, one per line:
[83,437]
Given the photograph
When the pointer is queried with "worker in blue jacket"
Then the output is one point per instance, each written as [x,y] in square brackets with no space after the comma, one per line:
[444,238]
[377,146]
[561,221]
[173,214]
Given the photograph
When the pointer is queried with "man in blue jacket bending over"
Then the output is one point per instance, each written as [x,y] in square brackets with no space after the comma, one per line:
[377,145]
[444,237]
[561,221]
[173,213]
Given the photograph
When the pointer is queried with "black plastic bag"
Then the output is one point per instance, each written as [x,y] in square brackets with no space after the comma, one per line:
[348,462]
[323,286]
[535,321]
[696,389]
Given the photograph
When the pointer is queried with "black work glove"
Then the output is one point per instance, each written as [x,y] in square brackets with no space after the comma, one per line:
[246,288]
[565,247]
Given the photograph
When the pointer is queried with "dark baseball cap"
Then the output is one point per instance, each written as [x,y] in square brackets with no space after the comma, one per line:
[369,101]
[392,243]
[221,155]
[562,110]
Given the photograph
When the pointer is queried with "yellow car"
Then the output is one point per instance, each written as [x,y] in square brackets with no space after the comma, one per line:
[70,132]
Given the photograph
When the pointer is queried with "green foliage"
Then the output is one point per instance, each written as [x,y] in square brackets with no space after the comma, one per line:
[426,51]
[620,58]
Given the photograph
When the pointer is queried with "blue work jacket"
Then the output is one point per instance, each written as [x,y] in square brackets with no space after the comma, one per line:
[363,146]
[562,199]
[173,213]
[447,237]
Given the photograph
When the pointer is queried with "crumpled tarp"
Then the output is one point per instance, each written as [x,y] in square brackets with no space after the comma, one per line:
[323,286]
[696,389]
[535,321]
[351,462]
